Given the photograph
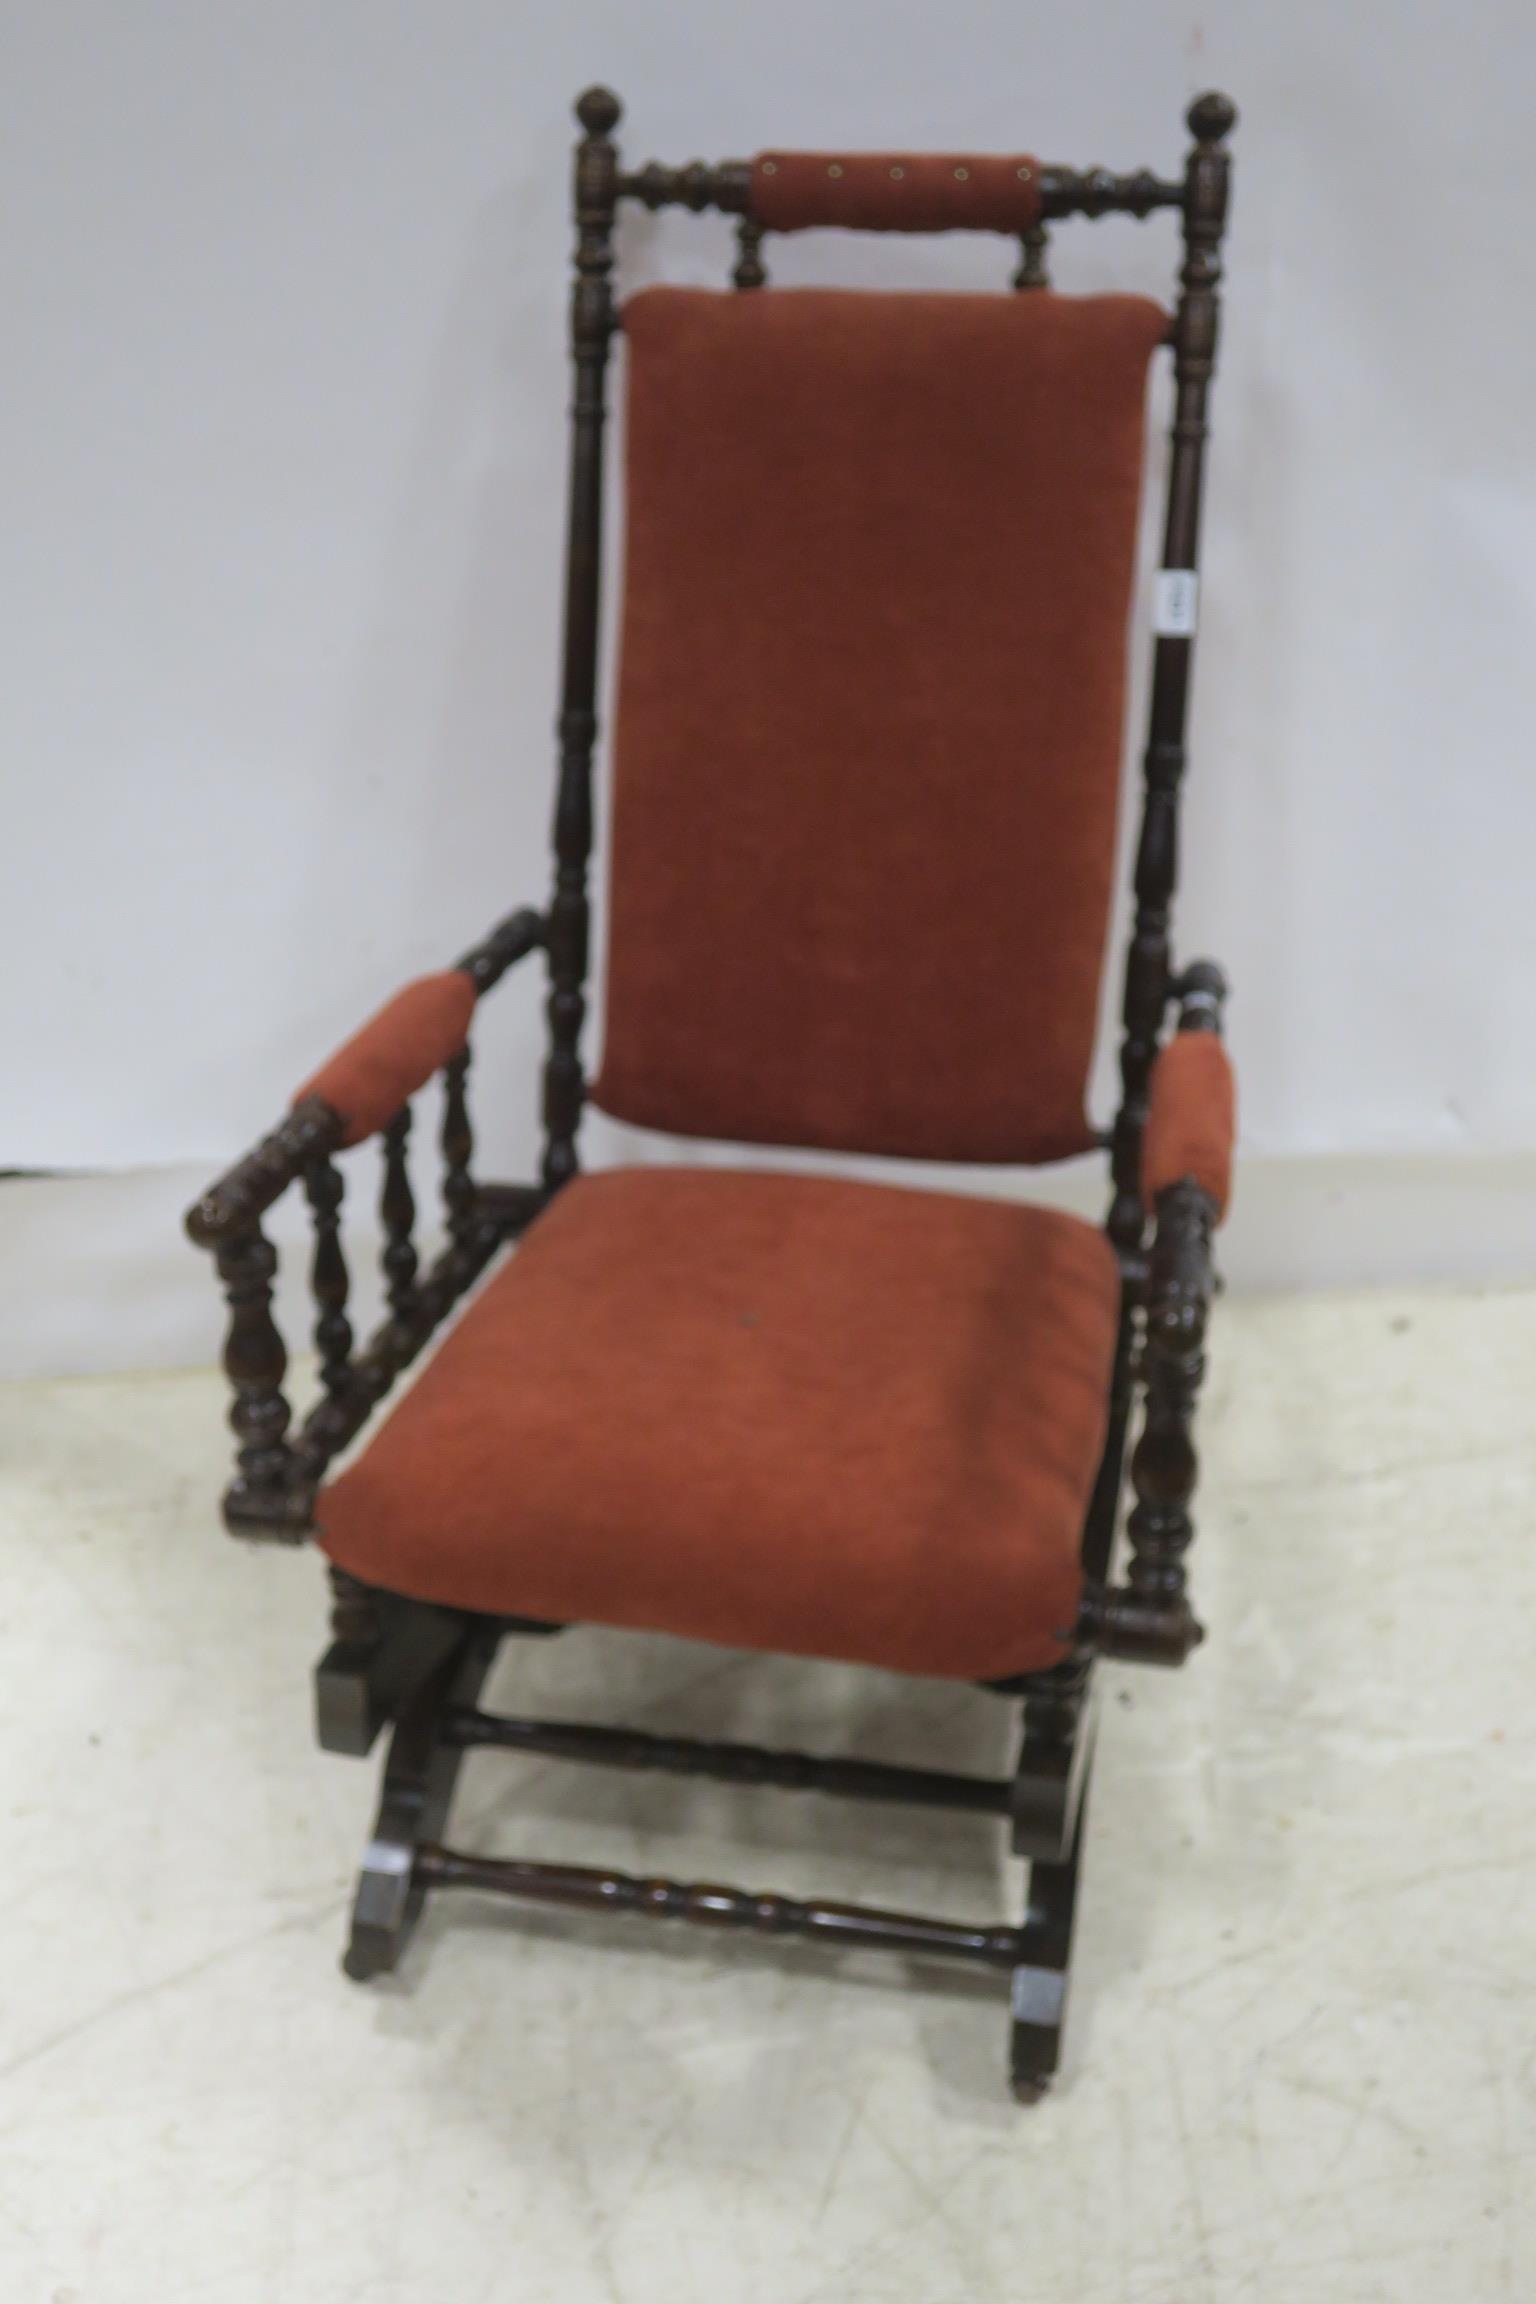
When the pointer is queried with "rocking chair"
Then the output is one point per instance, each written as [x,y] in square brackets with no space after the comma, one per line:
[879,566]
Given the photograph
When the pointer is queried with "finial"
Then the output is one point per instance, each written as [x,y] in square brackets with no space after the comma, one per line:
[598,110]
[1211,117]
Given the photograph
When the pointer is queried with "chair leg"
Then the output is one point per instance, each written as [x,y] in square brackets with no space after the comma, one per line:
[1039,1990]
[1051,1791]
[419,1777]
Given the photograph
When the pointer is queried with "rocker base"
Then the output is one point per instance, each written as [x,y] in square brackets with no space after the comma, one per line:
[438,1721]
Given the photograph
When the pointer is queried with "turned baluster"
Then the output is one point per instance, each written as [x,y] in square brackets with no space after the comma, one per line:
[328,1276]
[1034,251]
[750,271]
[1164,1466]
[264,1492]
[458,1145]
[397,1213]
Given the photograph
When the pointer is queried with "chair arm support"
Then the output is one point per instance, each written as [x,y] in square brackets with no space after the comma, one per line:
[363,1090]
[317,1125]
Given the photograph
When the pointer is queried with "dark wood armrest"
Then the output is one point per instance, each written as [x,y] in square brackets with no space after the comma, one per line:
[278,1471]
[314,1128]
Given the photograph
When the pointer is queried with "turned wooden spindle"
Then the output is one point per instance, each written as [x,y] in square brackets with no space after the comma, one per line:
[264,1490]
[397,1213]
[749,271]
[323,1189]
[1034,252]
[1164,1466]
[697,185]
[458,1146]
[567,923]
[708,1905]
[1147,962]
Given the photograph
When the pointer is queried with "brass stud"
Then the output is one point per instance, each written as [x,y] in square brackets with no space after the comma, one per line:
[962,175]
[897,174]
[836,168]
[1024,175]
[770,167]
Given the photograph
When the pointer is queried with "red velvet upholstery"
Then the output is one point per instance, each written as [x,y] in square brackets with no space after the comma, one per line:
[869,727]
[788,1413]
[1192,1123]
[896,191]
[397,1051]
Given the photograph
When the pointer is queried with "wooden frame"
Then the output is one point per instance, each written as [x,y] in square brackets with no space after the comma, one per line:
[418,1669]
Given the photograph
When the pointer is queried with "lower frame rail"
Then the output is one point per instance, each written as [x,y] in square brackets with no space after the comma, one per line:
[730,1763]
[708,1906]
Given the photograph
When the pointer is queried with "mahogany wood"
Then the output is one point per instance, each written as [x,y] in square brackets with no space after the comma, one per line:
[1034,257]
[261,1495]
[457,1143]
[397,1215]
[509,941]
[1148,965]
[732,1763]
[749,271]
[328,1275]
[709,1906]
[246,1191]
[596,192]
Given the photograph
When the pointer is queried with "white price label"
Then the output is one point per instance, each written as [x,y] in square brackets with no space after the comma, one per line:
[1176,603]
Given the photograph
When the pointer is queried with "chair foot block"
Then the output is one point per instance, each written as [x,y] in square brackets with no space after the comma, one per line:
[1034,2039]
[1033,2055]
[365,1958]
[1029,2087]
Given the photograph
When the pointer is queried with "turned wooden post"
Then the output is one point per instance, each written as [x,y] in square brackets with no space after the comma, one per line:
[567,931]
[750,271]
[1034,256]
[1164,1466]
[458,1146]
[328,1276]
[1210,120]
[265,1496]
[397,1213]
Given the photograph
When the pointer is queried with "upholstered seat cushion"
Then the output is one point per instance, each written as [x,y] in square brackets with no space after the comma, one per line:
[790,1413]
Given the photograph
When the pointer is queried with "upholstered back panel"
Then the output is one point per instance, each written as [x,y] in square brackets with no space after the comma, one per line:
[879,553]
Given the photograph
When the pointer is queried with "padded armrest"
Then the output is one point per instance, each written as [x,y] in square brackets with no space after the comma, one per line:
[412,1037]
[1192,1122]
[362,1087]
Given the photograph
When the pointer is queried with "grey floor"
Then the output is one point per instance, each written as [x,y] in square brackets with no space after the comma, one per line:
[1302,2057]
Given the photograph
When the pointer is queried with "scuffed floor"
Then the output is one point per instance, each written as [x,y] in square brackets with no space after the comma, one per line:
[1302,2055]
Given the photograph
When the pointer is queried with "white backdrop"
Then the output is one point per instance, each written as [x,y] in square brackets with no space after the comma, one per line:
[283,389]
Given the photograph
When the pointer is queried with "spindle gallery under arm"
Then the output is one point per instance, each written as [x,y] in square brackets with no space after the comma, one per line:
[868,733]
